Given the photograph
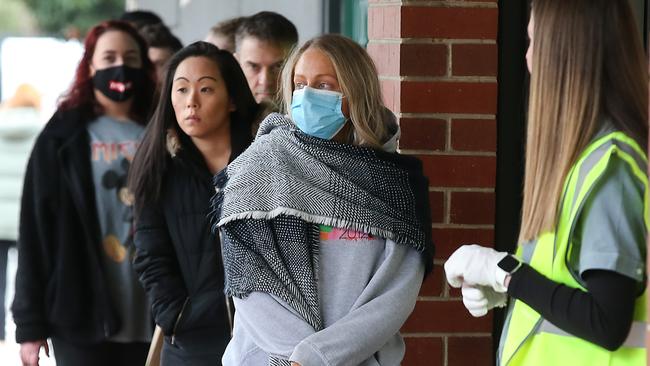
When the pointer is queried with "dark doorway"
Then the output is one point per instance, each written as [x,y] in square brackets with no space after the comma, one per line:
[511,126]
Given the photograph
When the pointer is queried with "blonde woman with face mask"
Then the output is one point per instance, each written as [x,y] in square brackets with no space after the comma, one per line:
[325,229]
[576,285]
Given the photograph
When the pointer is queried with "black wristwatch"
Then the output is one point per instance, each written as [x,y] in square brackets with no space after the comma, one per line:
[509,264]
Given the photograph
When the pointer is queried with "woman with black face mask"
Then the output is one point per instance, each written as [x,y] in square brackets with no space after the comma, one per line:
[75,284]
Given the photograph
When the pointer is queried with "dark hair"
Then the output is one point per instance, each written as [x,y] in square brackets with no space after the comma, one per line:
[81,94]
[140,18]
[150,162]
[159,36]
[228,28]
[269,27]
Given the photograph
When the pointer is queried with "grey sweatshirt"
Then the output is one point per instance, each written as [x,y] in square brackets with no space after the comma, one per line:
[368,286]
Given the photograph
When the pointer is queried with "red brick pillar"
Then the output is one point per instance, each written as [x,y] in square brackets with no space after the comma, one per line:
[438,62]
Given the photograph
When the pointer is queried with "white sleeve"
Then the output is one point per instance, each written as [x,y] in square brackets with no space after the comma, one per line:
[271,324]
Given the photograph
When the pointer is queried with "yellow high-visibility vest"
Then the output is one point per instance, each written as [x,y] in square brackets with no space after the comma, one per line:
[529,338]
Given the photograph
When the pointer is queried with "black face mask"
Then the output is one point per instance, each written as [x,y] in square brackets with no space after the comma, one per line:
[118,83]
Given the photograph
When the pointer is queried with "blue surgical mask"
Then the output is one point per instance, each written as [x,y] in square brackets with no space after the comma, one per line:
[317,112]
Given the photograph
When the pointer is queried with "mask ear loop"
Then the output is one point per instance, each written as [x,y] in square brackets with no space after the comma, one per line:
[348,119]
[340,128]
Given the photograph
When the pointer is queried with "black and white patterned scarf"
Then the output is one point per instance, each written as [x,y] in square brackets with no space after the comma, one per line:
[286,184]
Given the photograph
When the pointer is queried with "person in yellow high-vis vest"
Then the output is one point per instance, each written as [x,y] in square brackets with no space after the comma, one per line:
[577,282]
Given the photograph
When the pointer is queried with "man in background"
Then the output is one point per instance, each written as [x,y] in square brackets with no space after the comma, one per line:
[223,33]
[263,42]
[162,45]
[140,18]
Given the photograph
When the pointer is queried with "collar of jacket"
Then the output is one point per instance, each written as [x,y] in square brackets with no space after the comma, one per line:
[68,131]
[73,155]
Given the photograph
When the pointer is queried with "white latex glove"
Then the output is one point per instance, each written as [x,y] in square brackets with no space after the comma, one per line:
[478,300]
[476,265]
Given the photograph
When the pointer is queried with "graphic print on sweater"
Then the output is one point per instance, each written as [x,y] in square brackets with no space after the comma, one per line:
[328,233]
[112,147]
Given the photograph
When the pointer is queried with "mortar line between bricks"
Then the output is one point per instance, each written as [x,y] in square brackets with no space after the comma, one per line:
[448,146]
[461,226]
[445,290]
[449,61]
[433,41]
[438,299]
[445,349]
[390,78]
[447,41]
[461,189]
[469,190]
[476,116]
[478,42]
[442,79]
[447,207]
[448,78]
[449,4]
[386,40]
[448,153]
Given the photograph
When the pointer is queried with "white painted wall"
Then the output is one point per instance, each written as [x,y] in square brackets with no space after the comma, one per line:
[190,20]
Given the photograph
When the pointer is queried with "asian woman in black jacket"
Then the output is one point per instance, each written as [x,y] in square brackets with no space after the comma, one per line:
[203,120]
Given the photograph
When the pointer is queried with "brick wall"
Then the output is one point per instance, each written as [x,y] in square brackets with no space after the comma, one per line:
[438,62]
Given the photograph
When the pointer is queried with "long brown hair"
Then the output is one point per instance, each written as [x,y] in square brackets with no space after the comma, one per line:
[588,67]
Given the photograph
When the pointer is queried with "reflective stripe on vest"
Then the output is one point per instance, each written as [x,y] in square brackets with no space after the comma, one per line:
[635,339]
[530,339]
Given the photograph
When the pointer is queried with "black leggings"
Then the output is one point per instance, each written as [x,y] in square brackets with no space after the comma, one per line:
[99,354]
[192,351]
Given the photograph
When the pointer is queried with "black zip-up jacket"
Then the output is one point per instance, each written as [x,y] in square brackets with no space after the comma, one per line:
[61,289]
[179,260]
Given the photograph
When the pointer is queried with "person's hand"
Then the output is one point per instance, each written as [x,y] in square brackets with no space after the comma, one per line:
[475,265]
[29,352]
[478,300]
[295,364]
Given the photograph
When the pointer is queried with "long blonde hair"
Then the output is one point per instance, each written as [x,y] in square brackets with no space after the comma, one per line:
[588,65]
[357,77]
